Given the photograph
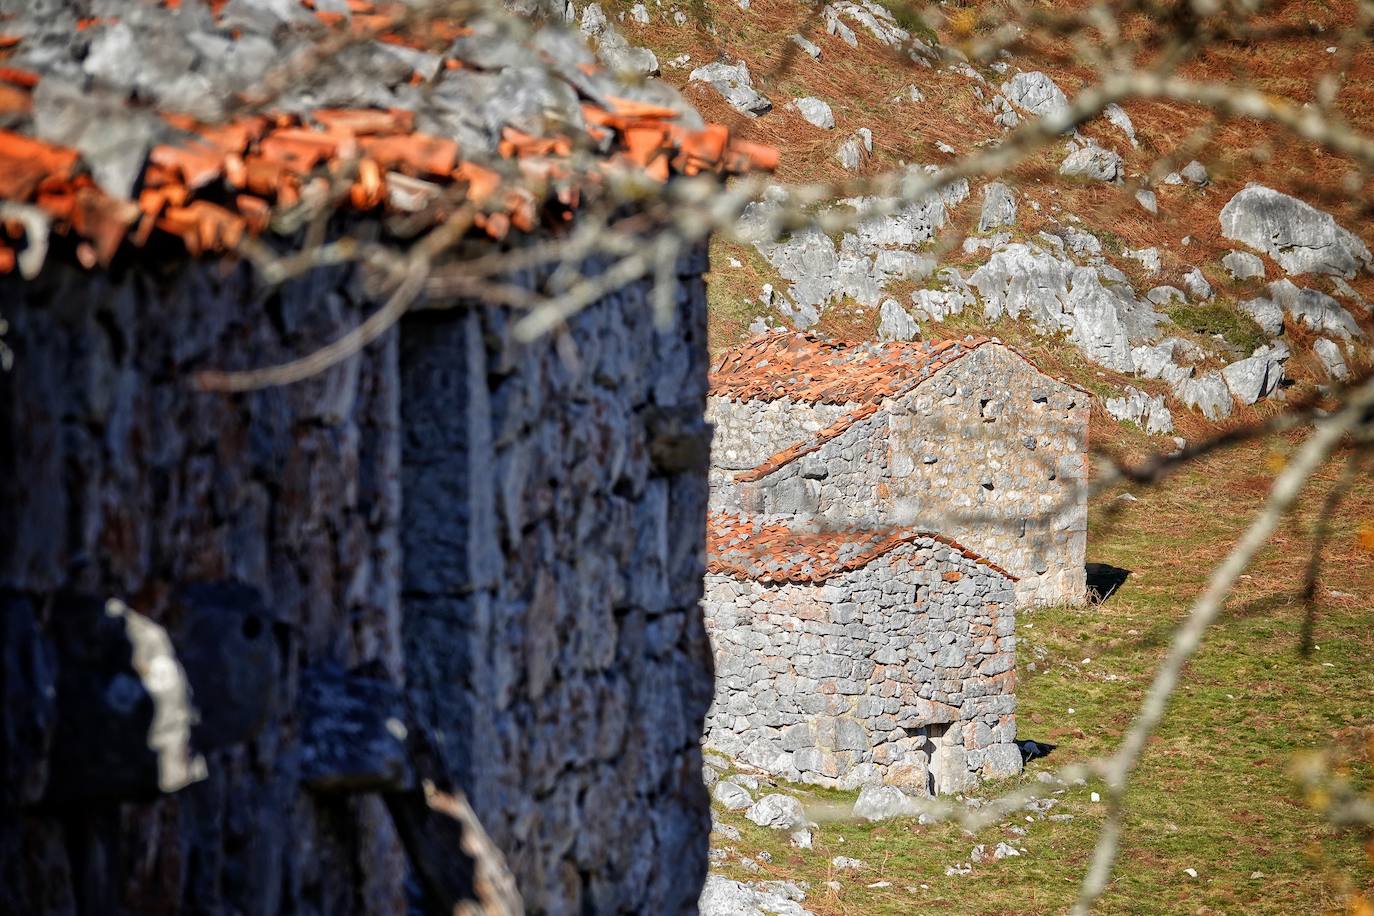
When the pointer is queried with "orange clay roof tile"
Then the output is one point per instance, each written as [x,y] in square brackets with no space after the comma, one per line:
[775,551]
[806,368]
[209,184]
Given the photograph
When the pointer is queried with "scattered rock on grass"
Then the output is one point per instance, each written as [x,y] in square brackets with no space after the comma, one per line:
[735,85]
[781,812]
[1331,359]
[733,797]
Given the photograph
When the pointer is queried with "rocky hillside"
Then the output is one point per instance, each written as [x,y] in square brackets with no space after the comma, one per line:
[1188,271]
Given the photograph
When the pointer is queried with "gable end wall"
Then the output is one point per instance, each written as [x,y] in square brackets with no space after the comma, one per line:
[901,671]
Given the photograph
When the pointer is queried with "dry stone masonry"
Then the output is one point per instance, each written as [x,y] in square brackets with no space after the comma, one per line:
[451,537]
[849,658]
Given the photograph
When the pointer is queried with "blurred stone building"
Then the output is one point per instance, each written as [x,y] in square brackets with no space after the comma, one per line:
[282,650]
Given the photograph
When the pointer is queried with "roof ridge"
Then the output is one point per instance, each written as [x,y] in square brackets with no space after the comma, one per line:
[723,526]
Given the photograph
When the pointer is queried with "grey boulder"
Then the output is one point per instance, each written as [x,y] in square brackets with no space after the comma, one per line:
[999,207]
[1146,411]
[1266,313]
[724,897]
[878,803]
[733,797]
[624,58]
[1035,92]
[1331,358]
[1314,309]
[808,46]
[735,85]
[1093,162]
[1004,759]
[1207,393]
[1243,265]
[1255,377]
[1300,237]
[1195,173]
[781,812]
[1197,284]
[895,323]
[816,112]
[853,151]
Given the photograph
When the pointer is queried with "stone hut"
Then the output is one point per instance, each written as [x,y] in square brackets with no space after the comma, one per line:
[309,648]
[965,437]
[849,657]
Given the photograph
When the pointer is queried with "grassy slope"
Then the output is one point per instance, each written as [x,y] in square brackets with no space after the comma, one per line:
[1213,791]
[860,84]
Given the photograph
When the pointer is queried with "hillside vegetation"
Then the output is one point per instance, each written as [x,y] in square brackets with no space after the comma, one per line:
[1216,822]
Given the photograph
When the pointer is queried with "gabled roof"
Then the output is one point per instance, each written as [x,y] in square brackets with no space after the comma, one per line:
[776,551]
[206,120]
[815,371]
[810,370]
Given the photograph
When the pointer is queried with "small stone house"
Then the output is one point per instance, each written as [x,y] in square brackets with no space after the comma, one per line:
[966,437]
[849,657]
[282,650]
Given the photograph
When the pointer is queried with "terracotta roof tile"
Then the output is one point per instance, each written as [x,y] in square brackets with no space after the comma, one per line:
[815,371]
[213,183]
[777,551]
[808,369]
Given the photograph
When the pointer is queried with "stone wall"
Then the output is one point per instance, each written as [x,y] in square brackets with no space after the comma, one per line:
[989,451]
[556,643]
[495,547]
[993,453]
[900,671]
[844,481]
[117,480]
[748,433]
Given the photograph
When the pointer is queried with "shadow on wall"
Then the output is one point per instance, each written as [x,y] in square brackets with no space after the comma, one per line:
[1103,581]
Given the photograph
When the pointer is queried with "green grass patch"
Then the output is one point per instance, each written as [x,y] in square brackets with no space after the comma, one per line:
[1218,317]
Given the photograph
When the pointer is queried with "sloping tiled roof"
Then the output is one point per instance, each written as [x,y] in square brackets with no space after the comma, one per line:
[183,118]
[806,368]
[773,551]
[811,370]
